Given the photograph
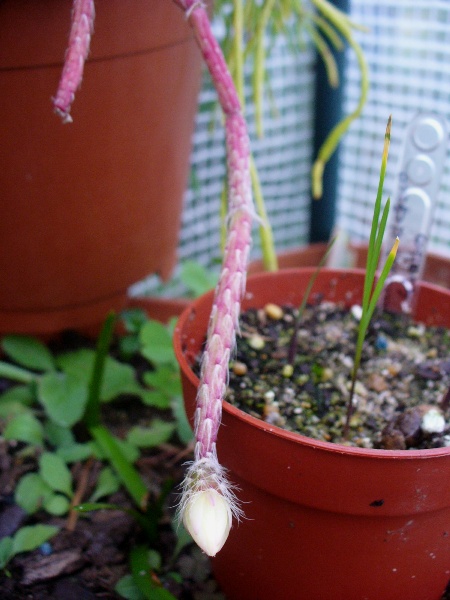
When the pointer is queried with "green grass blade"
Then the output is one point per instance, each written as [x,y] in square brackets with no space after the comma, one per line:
[372,257]
[125,471]
[92,414]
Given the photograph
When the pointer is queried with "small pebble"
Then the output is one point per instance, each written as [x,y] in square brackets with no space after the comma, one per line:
[377,382]
[256,342]
[240,368]
[273,311]
[287,370]
[327,374]
[394,369]
[269,396]
[381,343]
[433,421]
[416,330]
[46,549]
[356,312]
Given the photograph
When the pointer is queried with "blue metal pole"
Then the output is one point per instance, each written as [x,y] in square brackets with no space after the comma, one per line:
[327,113]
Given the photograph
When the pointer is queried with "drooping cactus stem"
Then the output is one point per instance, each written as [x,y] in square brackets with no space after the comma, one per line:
[205,474]
[83,13]
[231,286]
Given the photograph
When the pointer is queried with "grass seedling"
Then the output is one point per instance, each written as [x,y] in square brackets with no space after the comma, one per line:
[372,291]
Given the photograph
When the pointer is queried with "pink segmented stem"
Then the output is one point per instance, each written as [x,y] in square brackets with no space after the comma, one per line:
[224,320]
[83,13]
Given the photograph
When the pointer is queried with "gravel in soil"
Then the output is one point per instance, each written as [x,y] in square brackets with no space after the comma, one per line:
[401,398]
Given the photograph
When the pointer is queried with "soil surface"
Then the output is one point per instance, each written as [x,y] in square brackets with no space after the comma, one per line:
[401,396]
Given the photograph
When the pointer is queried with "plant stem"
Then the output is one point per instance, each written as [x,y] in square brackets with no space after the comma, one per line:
[269,256]
[83,14]
[237,58]
[92,413]
[340,21]
[205,473]
[371,294]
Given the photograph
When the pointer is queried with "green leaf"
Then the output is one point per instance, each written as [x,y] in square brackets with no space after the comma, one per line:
[31,492]
[147,437]
[119,378]
[25,428]
[18,393]
[129,345]
[196,278]
[156,344]
[31,537]
[107,484]
[155,398]
[133,319]
[57,505]
[28,352]
[55,473]
[130,451]
[64,397]
[166,379]
[15,400]
[6,551]
[142,575]
[154,559]
[57,435]
[127,588]
[77,452]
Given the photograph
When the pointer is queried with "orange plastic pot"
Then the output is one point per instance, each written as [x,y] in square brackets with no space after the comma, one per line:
[325,521]
[91,207]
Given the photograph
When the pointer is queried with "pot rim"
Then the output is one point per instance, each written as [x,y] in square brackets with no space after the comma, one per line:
[292,437]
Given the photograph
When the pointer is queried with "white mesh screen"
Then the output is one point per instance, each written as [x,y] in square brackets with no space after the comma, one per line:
[408,52]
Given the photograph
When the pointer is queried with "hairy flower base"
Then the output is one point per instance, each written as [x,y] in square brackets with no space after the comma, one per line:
[208,504]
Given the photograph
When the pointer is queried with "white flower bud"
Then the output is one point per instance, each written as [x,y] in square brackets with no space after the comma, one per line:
[207,517]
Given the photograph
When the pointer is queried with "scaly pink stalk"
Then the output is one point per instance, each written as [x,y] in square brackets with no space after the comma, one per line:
[80,38]
[206,491]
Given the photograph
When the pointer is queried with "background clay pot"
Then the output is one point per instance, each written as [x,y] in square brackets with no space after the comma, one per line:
[325,520]
[91,207]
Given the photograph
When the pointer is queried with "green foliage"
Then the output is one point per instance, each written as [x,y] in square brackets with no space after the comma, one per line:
[156,344]
[149,437]
[55,473]
[58,398]
[26,428]
[107,484]
[143,563]
[28,352]
[196,278]
[64,397]
[372,290]
[25,539]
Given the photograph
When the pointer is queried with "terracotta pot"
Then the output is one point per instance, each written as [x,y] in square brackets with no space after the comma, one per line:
[437,267]
[325,520]
[91,207]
